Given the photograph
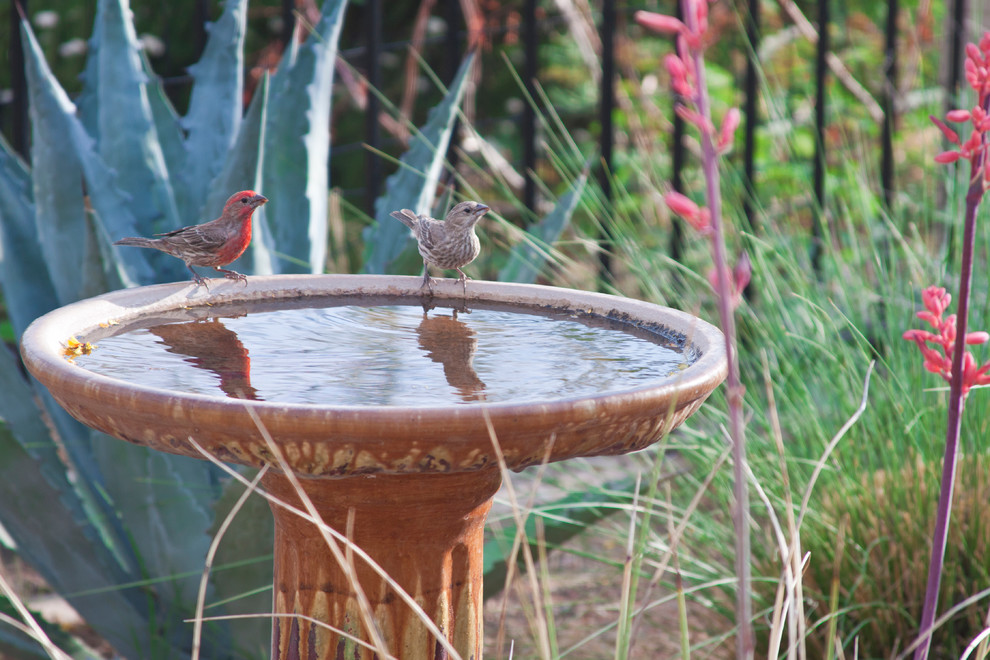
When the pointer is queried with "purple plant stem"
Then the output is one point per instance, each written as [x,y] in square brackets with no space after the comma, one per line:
[956,403]
[734,387]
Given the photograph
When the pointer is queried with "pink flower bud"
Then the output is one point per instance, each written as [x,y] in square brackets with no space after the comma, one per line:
[949,134]
[977,337]
[726,134]
[697,217]
[659,22]
[681,204]
[973,53]
[958,115]
[947,157]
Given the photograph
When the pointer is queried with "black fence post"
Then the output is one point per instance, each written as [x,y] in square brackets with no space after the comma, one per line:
[372,127]
[751,90]
[889,104]
[821,72]
[956,40]
[530,71]
[606,105]
[19,125]
[676,243]
[452,41]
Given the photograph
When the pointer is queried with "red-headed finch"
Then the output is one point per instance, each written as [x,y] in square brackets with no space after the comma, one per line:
[212,244]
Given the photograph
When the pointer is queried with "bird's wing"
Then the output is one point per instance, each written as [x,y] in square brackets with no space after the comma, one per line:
[180,230]
[205,237]
[431,233]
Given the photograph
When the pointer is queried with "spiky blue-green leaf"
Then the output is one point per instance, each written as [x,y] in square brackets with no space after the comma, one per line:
[168,127]
[414,185]
[297,145]
[128,139]
[44,517]
[88,101]
[216,103]
[27,289]
[60,148]
[243,172]
[165,503]
[528,257]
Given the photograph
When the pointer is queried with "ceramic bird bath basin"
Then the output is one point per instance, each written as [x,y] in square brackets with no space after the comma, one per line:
[387,405]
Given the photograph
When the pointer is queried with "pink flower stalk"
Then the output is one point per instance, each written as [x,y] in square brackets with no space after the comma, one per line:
[687,74]
[961,370]
[938,357]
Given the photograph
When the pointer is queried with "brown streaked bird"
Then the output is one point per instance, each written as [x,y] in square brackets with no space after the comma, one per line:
[212,244]
[449,243]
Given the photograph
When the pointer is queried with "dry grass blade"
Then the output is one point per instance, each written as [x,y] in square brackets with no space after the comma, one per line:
[211,555]
[519,541]
[301,617]
[30,627]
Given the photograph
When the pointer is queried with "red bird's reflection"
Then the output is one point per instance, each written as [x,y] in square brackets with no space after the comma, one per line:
[210,345]
[453,344]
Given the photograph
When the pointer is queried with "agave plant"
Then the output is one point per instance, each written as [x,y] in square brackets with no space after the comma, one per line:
[121,531]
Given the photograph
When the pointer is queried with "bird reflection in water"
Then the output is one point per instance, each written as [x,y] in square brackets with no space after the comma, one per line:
[452,343]
[210,345]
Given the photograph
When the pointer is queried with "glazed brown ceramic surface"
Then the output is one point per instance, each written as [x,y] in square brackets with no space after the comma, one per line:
[343,441]
[417,481]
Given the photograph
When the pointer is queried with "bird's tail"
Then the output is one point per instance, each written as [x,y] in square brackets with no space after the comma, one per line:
[136,241]
[406,217]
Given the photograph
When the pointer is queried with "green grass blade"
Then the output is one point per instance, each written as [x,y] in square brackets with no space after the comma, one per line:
[529,257]
[414,185]
[297,143]
[216,104]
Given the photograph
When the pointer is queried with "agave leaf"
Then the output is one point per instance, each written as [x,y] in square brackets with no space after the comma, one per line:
[414,185]
[216,104]
[165,502]
[128,139]
[58,144]
[243,566]
[88,100]
[42,514]
[562,519]
[168,126]
[528,258]
[297,144]
[243,172]
[27,288]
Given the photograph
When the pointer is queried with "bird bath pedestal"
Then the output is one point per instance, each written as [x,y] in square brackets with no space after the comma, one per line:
[410,485]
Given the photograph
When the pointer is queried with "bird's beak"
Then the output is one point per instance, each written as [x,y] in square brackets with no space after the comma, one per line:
[481,208]
[258,200]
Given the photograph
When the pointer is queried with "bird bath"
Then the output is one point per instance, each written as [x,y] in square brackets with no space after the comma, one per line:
[396,451]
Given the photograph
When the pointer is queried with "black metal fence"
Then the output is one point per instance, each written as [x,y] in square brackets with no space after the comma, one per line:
[367,57]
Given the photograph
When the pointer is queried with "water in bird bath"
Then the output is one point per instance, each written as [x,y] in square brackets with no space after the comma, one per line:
[377,352]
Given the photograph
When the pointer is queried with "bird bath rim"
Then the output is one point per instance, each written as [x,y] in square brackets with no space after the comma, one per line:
[531,298]
[96,397]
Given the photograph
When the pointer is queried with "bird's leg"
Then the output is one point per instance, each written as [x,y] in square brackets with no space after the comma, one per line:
[197,278]
[463,279]
[427,281]
[231,274]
